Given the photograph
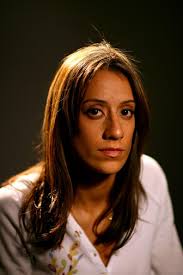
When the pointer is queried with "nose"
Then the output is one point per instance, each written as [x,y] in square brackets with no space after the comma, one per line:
[113,128]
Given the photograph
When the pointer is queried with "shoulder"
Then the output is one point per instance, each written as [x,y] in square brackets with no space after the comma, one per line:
[12,194]
[153,178]
[151,168]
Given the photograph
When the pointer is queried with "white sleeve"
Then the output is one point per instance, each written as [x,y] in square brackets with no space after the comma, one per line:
[167,254]
[14,258]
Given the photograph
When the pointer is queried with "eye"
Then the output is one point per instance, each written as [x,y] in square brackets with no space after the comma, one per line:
[94,112]
[128,113]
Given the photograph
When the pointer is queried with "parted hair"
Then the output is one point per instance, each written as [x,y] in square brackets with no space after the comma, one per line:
[46,207]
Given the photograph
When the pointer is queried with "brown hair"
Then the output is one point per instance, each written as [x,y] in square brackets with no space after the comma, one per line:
[51,197]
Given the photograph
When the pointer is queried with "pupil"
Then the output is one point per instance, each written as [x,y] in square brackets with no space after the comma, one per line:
[94,111]
[125,112]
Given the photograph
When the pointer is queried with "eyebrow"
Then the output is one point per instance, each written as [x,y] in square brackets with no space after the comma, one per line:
[105,102]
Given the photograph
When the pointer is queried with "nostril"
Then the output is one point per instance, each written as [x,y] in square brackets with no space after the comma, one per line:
[113,133]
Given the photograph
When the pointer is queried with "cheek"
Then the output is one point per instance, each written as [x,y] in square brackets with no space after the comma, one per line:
[130,131]
[90,132]
[85,141]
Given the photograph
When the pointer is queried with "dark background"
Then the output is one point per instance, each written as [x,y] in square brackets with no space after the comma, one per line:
[34,37]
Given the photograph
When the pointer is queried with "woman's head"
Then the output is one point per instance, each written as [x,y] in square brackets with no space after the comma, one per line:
[106,124]
[68,90]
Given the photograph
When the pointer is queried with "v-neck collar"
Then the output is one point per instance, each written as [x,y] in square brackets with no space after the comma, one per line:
[77,233]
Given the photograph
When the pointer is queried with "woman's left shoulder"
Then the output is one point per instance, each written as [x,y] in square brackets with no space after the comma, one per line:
[153,177]
[151,166]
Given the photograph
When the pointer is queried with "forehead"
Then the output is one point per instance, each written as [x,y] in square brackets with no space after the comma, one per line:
[109,85]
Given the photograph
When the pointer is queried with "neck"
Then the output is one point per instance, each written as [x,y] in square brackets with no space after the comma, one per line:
[93,191]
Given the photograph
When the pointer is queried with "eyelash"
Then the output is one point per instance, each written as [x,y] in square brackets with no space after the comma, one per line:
[96,115]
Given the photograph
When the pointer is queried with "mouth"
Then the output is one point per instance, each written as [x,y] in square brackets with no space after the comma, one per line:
[112,152]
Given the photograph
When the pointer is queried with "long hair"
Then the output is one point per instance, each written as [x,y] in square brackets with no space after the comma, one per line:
[46,208]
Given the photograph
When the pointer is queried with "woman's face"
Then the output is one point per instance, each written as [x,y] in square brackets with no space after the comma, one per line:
[106,123]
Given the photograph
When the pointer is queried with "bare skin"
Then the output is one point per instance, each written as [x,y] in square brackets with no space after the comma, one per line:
[106,126]
[88,205]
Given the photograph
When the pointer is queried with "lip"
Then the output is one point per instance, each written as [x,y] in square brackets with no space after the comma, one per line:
[111,152]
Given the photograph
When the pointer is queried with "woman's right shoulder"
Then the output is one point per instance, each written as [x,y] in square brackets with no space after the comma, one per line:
[12,193]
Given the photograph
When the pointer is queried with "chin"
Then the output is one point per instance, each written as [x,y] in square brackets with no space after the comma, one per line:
[108,169]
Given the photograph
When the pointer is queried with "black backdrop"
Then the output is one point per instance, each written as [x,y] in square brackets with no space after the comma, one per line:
[35,35]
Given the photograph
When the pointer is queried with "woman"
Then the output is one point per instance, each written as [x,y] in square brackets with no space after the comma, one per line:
[94,204]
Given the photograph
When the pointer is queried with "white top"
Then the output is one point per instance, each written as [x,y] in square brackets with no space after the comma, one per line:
[153,249]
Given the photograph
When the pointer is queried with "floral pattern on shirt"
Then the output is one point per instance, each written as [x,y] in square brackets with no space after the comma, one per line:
[68,264]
